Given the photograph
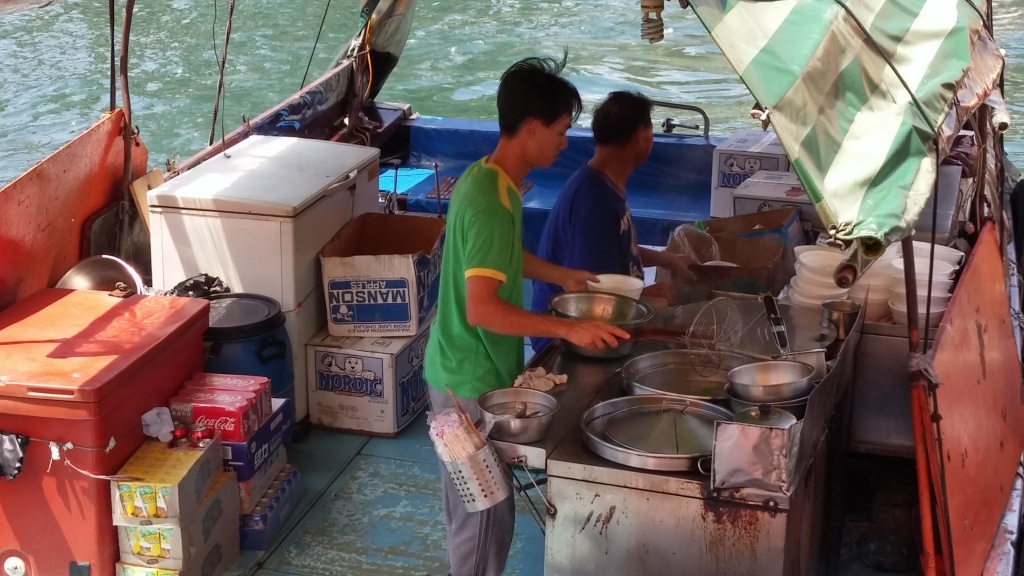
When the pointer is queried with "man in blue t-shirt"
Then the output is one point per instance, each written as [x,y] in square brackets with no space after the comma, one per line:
[590,227]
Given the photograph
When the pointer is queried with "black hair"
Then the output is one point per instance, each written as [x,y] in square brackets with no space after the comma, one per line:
[533,89]
[618,118]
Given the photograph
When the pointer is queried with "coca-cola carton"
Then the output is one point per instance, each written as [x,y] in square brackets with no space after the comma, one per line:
[233,414]
[212,393]
[258,385]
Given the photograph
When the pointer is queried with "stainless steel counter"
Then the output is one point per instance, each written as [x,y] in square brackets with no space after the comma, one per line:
[587,378]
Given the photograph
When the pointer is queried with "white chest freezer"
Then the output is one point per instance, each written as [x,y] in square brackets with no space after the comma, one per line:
[257,218]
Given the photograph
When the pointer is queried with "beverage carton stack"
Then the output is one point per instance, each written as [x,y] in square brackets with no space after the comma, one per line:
[365,369]
[255,428]
[175,510]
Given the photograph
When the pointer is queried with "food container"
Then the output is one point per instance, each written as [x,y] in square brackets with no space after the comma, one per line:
[519,415]
[618,284]
[773,381]
[939,298]
[946,254]
[899,314]
[942,270]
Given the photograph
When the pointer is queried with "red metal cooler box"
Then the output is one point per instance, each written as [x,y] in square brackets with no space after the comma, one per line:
[82,367]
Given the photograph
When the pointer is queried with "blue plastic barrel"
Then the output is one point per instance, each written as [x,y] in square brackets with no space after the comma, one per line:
[247,336]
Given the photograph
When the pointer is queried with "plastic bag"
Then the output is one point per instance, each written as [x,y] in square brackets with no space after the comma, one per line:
[690,240]
[693,241]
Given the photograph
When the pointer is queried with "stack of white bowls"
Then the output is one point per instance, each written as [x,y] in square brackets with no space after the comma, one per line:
[872,287]
[813,283]
[947,261]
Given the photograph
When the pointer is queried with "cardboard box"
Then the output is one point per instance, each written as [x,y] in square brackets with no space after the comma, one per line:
[781,226]
[131,570]
[380,275]
[207,543]
[737,159]
[772,191]
[251,490]
[368,385]
[758,270]
[246,458]
[259,530]
[179,479]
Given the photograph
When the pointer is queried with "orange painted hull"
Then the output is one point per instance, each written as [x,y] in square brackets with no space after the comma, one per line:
[43,213]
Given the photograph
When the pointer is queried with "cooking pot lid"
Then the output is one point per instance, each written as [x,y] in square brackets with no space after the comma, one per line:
[766,415]
[238,316]
[671,429]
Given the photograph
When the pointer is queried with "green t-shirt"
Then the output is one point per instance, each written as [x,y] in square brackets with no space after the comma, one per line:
[483,237]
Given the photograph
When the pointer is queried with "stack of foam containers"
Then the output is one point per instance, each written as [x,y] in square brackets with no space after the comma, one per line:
[813,284]
[932,299]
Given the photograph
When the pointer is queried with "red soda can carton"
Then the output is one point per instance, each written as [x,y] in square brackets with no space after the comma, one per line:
[258,385]
[231,395]
[222,412]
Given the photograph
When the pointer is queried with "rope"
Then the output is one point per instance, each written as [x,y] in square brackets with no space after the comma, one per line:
[315,42]
[220,77]
[923,363]
[369,61]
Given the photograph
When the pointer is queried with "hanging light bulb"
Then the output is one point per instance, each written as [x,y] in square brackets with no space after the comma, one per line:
[652,27]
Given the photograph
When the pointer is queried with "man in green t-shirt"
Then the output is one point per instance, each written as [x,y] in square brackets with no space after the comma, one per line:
[476,340]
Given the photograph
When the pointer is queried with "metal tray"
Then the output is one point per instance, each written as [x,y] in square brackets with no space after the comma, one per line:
[595,419]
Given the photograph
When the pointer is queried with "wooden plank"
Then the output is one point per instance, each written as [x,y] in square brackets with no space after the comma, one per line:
[980,407]
[140,187]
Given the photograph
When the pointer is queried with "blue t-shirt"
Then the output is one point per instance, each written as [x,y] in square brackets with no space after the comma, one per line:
[589,228]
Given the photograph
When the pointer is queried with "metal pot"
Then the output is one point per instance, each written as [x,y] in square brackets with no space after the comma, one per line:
[518,415]
[797,407]
[775,381]
[101,273]
[693,374]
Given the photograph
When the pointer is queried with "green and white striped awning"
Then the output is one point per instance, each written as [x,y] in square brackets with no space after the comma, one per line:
[863,94]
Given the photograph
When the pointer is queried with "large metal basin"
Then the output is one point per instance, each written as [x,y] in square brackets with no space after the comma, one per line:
[621,311]
[774,381]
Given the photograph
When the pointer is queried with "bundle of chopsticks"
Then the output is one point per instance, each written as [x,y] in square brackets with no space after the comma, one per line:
[454,435]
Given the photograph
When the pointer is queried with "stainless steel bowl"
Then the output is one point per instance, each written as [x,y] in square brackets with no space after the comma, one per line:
[797,407]
[519,415]
[773,381]
[621,311]
[101,273]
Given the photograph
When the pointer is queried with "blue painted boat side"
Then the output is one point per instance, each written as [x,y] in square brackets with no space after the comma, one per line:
[673,187]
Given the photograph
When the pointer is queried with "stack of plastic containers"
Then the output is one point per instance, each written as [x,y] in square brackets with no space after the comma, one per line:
[813,283]
[944,266]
